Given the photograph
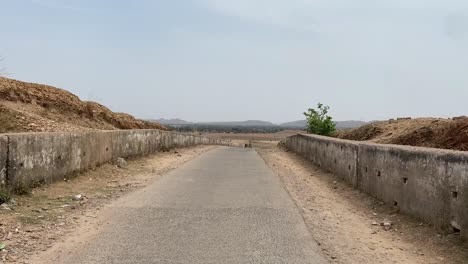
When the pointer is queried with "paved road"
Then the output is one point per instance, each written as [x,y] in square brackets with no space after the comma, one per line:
[225,206]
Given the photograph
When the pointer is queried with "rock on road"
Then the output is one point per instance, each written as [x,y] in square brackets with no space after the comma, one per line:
[225,206]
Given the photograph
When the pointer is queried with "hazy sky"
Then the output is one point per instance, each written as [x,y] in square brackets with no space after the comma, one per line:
[210,60]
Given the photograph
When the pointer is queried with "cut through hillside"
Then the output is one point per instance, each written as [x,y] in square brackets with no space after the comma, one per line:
[423,132]
[29,107]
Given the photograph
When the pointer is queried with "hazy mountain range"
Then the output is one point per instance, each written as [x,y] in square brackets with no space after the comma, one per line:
[175,121]
[339,124]
[300,124]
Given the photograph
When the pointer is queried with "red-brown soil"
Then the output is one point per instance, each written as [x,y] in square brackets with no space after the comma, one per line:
[30,107]
[424,132]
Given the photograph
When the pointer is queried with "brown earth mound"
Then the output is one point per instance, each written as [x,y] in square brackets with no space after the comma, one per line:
[29,107]
[424,132]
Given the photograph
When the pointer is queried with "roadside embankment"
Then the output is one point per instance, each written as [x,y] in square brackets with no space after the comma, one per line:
[429,184]
[31,159]
[440,133]
[31,107]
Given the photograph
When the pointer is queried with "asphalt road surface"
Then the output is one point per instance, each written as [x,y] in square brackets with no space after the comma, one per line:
[225,206]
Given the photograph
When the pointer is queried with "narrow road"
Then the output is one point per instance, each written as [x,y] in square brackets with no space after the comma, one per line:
[225,206]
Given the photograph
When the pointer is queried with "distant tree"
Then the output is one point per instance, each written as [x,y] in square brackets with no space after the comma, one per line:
[319,122]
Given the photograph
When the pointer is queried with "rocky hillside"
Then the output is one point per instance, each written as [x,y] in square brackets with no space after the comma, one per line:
[29,107]
[425,132]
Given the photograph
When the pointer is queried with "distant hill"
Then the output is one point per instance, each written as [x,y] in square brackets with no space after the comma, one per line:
[349,124]
[175,121]
[181,122]
[255,123]
[248,123]
[339,124]
[298,124]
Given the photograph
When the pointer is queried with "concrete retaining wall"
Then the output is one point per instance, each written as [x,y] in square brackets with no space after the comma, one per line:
[336,156]
[3,160]
[36,158]
[429,184]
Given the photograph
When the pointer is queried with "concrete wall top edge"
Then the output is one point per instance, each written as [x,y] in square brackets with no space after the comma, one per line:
[452,154]
[46,157]
[437,154]
[329,139]
[82,132]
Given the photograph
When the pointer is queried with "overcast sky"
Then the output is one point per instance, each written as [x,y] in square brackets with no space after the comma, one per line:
[213,60]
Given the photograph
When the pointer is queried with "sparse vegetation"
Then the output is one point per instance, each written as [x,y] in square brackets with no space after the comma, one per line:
[5,196]
[319,122]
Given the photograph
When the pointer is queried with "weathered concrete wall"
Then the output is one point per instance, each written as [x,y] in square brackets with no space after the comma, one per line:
[36,158]
[429,184]
[134,143]
[337,156]
[414,179]
[3,160]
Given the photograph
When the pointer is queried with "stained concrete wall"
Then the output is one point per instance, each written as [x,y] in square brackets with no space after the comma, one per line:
[429,184]
[336,156]
[3,161]
[36,158]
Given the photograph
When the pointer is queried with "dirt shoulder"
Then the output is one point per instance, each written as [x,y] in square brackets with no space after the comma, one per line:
[49,213]
[348,224]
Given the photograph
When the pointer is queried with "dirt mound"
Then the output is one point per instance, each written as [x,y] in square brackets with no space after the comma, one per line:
[29,107]
[424,132]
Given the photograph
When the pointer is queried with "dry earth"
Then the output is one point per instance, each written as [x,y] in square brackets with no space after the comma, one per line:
[347,222]
[30,107]
[423,132]
[49,213]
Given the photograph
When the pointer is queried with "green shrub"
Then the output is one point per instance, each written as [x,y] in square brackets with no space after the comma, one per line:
[5,196]
[319,122]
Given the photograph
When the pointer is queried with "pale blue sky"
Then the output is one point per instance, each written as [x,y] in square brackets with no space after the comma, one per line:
[213,60]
